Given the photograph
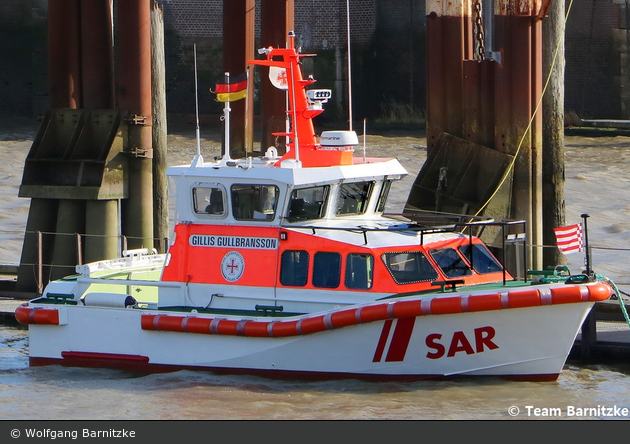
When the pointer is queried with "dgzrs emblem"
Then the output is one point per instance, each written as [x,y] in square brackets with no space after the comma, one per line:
[232,266]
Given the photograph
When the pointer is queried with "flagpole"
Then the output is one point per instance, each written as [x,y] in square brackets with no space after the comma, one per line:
[226,119]
[587,255]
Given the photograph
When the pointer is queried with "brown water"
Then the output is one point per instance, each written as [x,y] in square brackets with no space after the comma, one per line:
[597,183]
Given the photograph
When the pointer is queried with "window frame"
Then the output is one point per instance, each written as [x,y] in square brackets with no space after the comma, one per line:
[366,201]
[201,213]
[305,268]
[254,187]
[397,274]
[316,273]
[485,250]
[369,273]
[322,208]
[449,270]
[383,195]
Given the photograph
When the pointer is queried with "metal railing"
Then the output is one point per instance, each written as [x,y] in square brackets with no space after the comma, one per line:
[39,265]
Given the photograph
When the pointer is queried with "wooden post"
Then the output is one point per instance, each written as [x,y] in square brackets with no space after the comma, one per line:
[553,132]
[589,334]
[158,103]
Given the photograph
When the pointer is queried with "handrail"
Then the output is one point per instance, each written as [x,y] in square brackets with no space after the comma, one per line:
[167,284]
[78,236]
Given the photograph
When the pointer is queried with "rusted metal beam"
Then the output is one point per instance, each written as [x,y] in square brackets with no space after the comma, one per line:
[445,62]
[491,102]
[448,8]
[479,115]
[276,20]
[64,66]
[544,8]
[238,48]
[518,90]
[97,69]
[97,54]
[134,34]
[518,8]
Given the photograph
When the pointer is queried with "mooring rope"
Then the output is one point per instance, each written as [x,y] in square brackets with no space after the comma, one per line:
[619,293]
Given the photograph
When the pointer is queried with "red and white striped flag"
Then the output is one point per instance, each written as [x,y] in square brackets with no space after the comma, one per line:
[569,238]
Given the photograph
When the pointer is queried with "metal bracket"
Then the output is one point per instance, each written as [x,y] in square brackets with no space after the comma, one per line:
[135,119]
[138,152]
[494,56]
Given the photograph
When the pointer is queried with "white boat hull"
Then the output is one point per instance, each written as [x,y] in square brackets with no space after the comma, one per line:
[529,343]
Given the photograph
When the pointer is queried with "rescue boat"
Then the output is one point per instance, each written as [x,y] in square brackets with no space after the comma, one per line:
[287,266]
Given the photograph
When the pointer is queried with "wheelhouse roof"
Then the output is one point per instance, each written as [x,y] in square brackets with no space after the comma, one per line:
[258,170]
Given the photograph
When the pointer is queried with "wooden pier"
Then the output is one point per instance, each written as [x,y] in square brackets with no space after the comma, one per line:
[605,335]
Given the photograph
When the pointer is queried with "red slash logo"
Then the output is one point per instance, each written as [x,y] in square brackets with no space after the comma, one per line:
[399,340]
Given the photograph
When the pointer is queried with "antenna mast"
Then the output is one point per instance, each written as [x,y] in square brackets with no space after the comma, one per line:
[349,68]
[198,160]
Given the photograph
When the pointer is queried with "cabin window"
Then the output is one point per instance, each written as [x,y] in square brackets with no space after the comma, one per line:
[208,200]
[353,198]
[482,260]
[326,269]
[254,202]
[409,268]
[294,268]
[382,198]
[359,271]
[308,203]
[450,262]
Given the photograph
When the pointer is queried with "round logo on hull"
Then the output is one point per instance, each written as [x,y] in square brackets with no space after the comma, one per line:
[232,266]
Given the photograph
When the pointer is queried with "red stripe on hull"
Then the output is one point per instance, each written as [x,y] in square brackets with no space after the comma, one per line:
[145,367]
[400,340]
[96,360]
[378,354]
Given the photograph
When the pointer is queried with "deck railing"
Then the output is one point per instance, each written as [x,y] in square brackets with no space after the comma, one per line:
[40,265]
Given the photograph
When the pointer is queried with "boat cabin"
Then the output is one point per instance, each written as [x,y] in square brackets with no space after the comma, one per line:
[305,238]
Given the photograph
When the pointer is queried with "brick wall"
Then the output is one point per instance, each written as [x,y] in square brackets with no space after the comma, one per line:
[319,25]
[21,57]
[592,60]
[389,52]
[400,45]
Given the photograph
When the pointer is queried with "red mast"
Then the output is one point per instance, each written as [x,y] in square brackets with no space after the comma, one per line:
[303,145]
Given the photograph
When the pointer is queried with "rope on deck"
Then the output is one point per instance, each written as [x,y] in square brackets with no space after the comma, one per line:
[618,292]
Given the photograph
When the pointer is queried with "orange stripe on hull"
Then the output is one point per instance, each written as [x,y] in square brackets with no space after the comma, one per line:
[484,302]
[378,312]
[448,305]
